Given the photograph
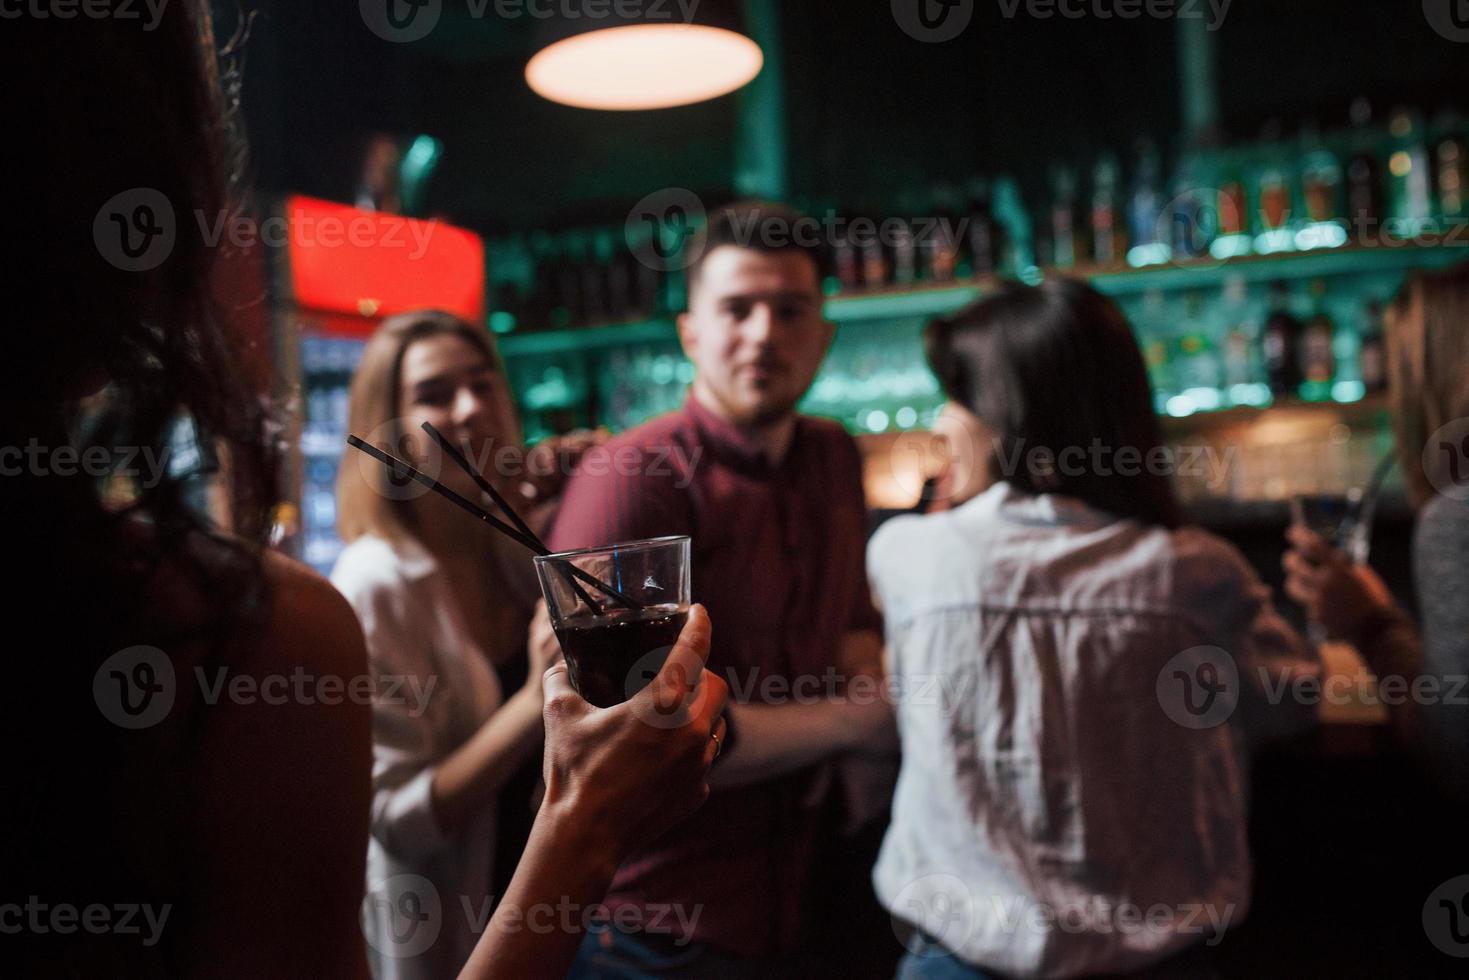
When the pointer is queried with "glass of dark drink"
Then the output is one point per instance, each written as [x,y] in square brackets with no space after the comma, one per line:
[612,651]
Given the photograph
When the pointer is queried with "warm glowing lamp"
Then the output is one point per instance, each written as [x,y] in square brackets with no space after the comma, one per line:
[625,63]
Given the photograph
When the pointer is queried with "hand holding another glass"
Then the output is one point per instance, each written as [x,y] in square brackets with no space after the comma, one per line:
[1337,593]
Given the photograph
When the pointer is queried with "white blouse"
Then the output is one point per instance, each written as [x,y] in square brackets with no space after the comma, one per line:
[427,893]
[1072,801]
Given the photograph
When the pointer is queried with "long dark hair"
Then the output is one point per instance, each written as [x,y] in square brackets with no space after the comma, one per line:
[106,360]
[108,357]
[1050,369]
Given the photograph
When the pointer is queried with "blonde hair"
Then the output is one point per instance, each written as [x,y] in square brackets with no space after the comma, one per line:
[364,505]
[1428,370]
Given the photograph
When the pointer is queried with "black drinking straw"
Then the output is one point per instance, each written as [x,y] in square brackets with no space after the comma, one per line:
[528,541]
[489,489]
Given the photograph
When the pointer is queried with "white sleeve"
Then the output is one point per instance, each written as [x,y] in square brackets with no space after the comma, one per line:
[404,750]
[1280,673]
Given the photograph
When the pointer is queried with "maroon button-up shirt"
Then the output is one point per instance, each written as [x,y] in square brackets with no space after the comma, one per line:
[778,557]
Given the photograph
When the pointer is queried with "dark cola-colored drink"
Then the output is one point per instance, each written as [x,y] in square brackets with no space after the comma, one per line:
[612,657]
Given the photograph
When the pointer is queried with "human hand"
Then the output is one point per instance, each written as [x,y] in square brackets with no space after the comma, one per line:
[542,648]
[551,461]
[638,768]
[1335,592]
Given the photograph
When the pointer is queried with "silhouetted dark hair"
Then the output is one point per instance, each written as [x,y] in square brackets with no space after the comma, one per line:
[760,226]
[1050,368]
[108,360]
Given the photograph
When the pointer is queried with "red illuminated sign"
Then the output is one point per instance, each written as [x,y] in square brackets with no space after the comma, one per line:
[369,264]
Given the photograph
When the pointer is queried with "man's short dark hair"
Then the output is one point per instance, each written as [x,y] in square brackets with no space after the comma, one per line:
[760,226]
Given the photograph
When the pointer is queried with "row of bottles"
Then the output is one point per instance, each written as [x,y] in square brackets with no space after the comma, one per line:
[1296,341]
[1366,185]
[582,278]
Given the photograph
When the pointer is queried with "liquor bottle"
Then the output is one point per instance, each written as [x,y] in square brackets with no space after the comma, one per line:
[544,283]
[870,250]
[593,282]
[1067,245]
[1191,220]
[1364,176]
[1233,202]
[1109,240]
[846,263]
[939,248]
[1451,169]
[1018,253]
[1409,181]
[1145,208]
[1280,341]
[1318,350]
[1239,342]
[1321,178]
[617,281]
[984,239]
[1198,363]
[566,308]
[904,241]
[1274,194]
[1372,355]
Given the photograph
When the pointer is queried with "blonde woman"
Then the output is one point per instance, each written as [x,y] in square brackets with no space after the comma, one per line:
[445,607]
[1428,362]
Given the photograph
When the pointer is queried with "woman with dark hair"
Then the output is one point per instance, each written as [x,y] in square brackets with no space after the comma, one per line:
[147,780]
[1100,668]
[1428,365]
[175,806]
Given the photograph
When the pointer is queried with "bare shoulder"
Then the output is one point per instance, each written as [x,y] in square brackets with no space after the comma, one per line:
[311,622]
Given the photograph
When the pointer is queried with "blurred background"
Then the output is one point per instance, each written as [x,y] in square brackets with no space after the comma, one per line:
[1252,181]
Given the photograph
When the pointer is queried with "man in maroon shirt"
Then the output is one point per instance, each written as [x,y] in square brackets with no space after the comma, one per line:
[773,501]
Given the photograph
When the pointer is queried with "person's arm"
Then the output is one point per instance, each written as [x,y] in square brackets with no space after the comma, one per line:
[774,739]
[1354,605]
[284,788]
[615,778]
[470,777]
[1273,661]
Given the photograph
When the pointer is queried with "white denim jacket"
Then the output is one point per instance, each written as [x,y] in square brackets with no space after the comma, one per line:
[426,891]
[1077,697]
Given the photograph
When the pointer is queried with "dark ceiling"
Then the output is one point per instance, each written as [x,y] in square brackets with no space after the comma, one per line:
[871,110]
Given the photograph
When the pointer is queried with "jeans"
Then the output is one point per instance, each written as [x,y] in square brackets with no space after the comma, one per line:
[611,954]
[927,960]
